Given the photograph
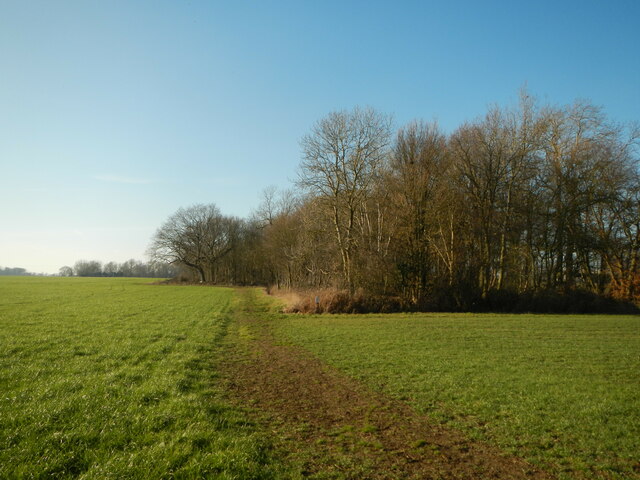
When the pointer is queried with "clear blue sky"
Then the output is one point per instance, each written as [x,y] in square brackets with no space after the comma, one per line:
[113,114]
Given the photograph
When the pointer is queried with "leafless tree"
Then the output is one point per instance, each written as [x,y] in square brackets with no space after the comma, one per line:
[88,268]
[66,271]
[523,201]
[418,166]
[495,160]
[587,169]
[196,237]
[341,160]
[111,269]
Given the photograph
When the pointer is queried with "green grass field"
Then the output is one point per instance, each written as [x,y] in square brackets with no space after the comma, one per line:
[562,391]
[113,378]
[116,378]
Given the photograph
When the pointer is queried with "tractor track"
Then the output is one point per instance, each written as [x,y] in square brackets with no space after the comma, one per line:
[332,426]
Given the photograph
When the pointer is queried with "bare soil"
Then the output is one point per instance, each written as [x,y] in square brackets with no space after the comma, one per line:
[332,426]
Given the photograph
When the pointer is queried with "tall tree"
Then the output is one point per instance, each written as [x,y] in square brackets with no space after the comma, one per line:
[496,159]
[587,166]
[418,165]
[342,157]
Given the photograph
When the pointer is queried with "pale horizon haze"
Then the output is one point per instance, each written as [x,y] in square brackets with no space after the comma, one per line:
[115,114]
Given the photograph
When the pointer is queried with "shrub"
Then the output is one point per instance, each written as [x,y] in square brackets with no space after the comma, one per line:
[331,300]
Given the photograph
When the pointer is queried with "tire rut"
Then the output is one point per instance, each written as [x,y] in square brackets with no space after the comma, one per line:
[332,426]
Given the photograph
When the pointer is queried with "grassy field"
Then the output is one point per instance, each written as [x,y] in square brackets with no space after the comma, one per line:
[563,391]
[113,378]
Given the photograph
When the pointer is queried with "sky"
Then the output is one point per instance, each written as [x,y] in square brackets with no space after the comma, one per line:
[114,114]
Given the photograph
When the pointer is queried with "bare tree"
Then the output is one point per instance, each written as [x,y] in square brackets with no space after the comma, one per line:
[523,200]
[196,237]
[342,157]
[111,269]
[419,163]
[495,160]
[268,208]
[88,268]
[588,164]
[66,271]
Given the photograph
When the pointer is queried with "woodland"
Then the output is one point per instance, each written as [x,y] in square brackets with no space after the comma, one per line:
[531,207]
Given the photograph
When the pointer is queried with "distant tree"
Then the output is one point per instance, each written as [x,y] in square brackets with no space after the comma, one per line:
[66,271]
[139,268]
[111,269]
[134,268]
[268,208]
[129,268]
[162,270]
[196,237]
[17,271]
[88,268]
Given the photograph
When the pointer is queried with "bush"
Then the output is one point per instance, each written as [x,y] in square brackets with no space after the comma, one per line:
[331,300]
[342,301]
[553,301]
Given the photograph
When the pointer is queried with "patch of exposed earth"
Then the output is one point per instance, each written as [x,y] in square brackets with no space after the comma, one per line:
[332,426]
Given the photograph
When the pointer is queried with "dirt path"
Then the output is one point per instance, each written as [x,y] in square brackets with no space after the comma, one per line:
[334,427]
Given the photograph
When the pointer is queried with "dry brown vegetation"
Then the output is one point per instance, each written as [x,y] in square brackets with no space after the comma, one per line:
[332,300]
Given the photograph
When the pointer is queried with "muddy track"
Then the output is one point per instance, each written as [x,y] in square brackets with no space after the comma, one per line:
[332,426]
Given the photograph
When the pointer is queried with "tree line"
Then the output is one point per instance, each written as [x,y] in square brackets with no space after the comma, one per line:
[130,268]
[14,271]
[529,201]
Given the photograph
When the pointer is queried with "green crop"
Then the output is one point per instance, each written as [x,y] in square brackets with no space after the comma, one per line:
[115,378]
[562,391]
